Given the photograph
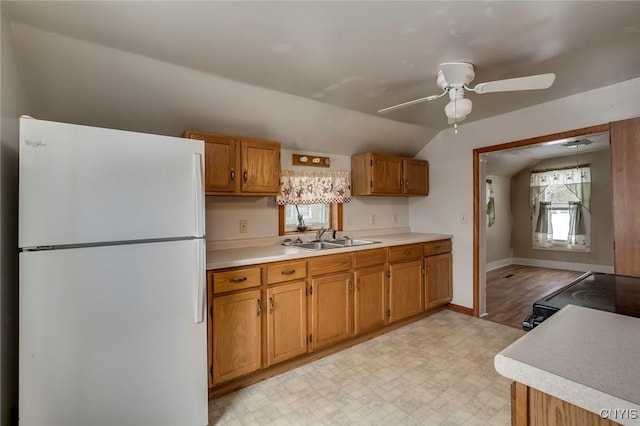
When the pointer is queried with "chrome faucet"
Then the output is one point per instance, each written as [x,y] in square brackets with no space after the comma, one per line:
[320,233]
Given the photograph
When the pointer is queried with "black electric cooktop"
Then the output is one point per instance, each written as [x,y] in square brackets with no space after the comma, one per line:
[605,292]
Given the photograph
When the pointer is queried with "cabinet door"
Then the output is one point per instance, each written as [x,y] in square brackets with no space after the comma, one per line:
[370,299]
[386,174]
[210,327]
[260,167]
[330,309]
[625,156]
[438,280]
[220,174]
[236,335]
[286,322]
[406,296]
[416,177]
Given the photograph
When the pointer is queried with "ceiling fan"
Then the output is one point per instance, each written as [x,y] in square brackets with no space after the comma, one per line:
[454,77]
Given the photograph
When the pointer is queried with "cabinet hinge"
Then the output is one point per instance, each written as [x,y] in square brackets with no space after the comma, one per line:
[211,311]
[310,338]
[371,162]
[310,290]
[389,313]
[389,273]
[371,184]
[211,370]
[423,272]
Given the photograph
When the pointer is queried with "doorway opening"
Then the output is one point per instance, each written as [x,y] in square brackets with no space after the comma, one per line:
[501,270]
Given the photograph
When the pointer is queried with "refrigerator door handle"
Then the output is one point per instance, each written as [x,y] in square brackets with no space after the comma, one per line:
[197,164]
[201,282]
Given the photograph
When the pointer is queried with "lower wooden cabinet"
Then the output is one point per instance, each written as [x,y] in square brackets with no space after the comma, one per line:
[406,295]
[236,335]
[330,309]
[438,289]
[286,321]
[370,299]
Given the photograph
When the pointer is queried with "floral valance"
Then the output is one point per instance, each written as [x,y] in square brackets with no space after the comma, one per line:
[311,187]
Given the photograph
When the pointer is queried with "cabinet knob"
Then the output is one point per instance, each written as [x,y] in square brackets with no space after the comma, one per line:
[259,307]
[237,280]
[233,175]
[289,272]
[406,253]
[271,305]
[245,176]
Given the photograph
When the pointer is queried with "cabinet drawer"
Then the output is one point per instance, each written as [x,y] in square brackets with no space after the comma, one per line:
[408,252]
[373,257]
[287,271]
[328,264]
[437,247]
[236,279]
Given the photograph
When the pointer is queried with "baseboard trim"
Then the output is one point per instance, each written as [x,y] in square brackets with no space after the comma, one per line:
[460,309]
[569,266]
[499,263]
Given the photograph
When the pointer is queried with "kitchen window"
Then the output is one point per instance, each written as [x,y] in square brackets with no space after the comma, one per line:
[310,200]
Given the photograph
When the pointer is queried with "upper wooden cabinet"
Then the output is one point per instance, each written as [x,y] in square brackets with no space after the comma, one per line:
[239,166]
[380,174]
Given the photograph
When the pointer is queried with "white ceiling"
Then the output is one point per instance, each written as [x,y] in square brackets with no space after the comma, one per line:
[361,56]
[511,161]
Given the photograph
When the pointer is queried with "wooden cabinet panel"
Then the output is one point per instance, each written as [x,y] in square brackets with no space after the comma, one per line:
[438,280]
[236,335]
[437,247]
[260,166]
[370,299]
[330,263]
[236,279]
[372,257]
[286,321]
[286,271]
[210,327]
[330,309]
[416,177]
[625,157]
[406,296]
[379,174]
[406,252]
[386,174]
[239,166]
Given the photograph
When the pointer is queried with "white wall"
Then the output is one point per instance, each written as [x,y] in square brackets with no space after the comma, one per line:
[451,163]
[13,105]
[498,236]
[224,212]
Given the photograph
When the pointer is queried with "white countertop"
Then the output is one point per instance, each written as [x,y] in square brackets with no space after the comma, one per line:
[217,259]
[587,357]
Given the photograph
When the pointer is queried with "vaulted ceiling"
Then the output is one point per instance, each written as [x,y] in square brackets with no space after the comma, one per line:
[359,56]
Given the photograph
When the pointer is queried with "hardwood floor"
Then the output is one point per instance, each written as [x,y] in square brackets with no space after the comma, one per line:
[511,290]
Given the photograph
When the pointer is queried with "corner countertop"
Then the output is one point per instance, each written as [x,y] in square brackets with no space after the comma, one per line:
[586,357]
[217,259]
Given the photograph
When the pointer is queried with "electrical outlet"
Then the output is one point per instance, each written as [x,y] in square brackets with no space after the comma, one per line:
[463,218]
[244,225]
[394,218]
[372,219]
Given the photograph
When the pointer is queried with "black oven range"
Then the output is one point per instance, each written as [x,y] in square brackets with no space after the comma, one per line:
[606,292]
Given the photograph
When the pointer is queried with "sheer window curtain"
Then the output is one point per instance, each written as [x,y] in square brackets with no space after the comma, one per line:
[491,204]
[578,181]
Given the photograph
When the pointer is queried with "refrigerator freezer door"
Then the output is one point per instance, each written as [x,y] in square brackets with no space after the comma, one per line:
[108,336]
[82,185]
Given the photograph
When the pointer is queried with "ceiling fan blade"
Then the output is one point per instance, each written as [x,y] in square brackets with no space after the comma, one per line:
[413,102]
[532,82]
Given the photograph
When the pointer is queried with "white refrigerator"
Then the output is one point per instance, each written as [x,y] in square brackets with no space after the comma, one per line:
[112,278]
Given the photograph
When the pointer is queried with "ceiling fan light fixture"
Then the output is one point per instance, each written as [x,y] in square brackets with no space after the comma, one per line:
[457,109]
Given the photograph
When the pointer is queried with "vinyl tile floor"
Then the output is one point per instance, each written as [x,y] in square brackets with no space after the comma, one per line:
[436,371]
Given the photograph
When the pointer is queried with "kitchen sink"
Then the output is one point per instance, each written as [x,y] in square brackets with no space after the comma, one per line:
[350,242]
[317,245]
[332,244]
